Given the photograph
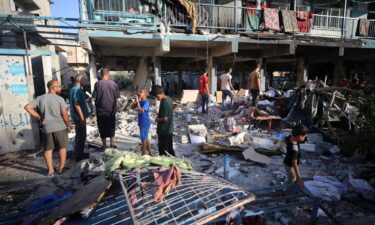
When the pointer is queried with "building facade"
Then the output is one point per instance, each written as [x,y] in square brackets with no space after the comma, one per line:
[302,39]
[31,53]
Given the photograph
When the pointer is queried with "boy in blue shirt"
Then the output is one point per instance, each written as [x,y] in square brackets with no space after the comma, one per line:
[142,104]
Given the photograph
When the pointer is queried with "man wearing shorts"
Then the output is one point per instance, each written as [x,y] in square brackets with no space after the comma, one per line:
[51,111]
[142,105]
[254,88]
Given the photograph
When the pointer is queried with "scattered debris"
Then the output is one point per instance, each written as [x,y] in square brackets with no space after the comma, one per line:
[87,196]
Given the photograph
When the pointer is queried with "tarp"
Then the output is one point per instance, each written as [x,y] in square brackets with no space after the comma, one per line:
[129,160]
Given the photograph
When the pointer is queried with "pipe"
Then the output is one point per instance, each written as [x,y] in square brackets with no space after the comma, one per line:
[258,4]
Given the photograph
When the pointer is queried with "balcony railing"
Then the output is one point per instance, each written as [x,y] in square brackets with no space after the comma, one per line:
[229,18]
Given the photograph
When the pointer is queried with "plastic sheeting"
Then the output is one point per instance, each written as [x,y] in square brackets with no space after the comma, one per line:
[324,191]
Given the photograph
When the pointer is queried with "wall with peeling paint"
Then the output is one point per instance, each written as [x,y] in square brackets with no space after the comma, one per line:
[16,131]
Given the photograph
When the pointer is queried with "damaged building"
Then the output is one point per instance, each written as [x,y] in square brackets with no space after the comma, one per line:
[228,166]
[32,51]
[159,38]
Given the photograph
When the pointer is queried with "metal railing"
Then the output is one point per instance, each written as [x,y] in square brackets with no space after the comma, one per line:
[228,18]
[329,26]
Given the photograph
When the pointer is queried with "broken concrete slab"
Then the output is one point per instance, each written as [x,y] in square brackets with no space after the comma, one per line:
[232,172]
[307,147]
[263,143]
[251,154]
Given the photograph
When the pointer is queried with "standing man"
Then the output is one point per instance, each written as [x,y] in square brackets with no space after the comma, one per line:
[52,113]
[78,113]
[165,122]
[227,89]
[254,86]
[203,91]
[105,94]
[142,105]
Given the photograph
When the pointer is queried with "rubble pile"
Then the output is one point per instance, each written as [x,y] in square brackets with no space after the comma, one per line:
[248,153]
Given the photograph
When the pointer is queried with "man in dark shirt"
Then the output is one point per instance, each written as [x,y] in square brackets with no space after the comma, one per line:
[105,94]
[79,112]
[165,122]
[293,154]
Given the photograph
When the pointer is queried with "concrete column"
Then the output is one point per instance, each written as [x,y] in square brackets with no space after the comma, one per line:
[140,77]
[93,72]
[179,83]
[339,71]
[212,75]
[157,69]
[241,78]
[47,70]
[262,74]
[301,71]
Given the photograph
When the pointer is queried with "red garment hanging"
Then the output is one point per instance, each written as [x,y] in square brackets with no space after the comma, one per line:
[304,21]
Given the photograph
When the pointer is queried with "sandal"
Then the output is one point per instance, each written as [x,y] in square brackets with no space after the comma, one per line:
[50,175]
[62,171]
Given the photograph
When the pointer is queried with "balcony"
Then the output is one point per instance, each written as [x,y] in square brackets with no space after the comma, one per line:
[231,18]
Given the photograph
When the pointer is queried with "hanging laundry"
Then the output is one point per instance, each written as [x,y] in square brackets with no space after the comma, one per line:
[164,181]
[363,27]
[271,19]
[303,21]
[251,18]
[289,21]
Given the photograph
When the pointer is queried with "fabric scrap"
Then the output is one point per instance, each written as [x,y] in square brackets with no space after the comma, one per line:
[165,181]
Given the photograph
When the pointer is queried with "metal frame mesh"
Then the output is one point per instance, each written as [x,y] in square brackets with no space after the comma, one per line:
[197,200]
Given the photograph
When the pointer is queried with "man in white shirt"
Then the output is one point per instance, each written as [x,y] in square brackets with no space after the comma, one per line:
[227,89]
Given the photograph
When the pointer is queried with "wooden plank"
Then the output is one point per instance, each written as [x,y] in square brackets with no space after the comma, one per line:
[88,196]
[216,148]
